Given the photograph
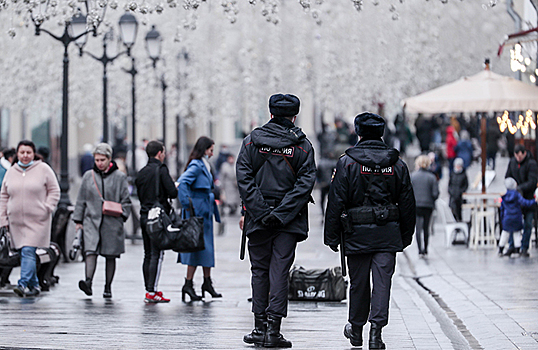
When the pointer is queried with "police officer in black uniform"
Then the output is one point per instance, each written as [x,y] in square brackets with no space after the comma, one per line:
[275,175]
[371,208]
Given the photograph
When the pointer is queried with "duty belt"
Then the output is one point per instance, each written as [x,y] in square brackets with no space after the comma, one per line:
[379,215]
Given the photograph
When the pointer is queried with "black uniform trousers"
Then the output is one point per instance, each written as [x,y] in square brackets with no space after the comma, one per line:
[365,305]
[271,255]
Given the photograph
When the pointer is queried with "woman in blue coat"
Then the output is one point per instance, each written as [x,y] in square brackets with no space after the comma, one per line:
[196,184]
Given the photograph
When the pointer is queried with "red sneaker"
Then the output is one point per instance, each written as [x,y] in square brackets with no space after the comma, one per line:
[163,299]
[156,298]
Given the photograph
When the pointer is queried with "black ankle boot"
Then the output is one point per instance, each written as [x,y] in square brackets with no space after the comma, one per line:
[86,286]
[188,289]
[354,334]
[375,341]
[510,251]
[257,336]
[207,286]
[273,338]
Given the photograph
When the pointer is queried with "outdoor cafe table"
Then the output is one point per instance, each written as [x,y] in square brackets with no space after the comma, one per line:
[483,218]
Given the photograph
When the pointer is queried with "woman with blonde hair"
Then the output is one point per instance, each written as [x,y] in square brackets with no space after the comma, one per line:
[426,192]
[103,234]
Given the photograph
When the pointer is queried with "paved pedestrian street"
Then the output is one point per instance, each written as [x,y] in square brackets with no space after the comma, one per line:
[457,298]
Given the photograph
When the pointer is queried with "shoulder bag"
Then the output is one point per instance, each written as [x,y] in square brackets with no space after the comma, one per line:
[5,243]
[110,208]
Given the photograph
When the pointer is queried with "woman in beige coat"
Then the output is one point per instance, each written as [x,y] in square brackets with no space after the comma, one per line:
[29,195]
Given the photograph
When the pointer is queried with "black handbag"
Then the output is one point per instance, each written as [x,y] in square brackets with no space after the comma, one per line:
[317,284]
[167,231]
[4,243]
[191,234]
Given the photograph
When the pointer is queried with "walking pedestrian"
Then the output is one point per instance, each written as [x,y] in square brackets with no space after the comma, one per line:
[457,185]
[86,160]
[512,216]
[196,185]
[103,234]
[524,169]
[229,185]
[5,162]
[426,191]
[30,192]
[451,143]
[276,173]
[371,185]
[464,149]
[146,182]
[8,154]
[493,136]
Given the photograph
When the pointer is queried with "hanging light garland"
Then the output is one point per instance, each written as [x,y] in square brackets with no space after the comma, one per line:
[523,123]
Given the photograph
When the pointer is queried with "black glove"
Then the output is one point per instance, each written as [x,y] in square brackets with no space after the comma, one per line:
[334,248]
[271,221]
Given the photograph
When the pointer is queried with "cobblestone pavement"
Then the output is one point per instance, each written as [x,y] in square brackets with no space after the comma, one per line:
[455,299]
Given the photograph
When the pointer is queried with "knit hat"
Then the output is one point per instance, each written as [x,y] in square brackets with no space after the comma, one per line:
[510,183]
[369,125]
[284,105]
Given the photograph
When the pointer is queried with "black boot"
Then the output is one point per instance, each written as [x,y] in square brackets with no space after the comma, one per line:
[108,292]
[207,286]
[86,286]
[510,251]
[354,334]
[375,341]
[257,336]
[273,338]
[188,289]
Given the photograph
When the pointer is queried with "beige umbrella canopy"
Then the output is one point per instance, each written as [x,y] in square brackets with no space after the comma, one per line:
[482,92]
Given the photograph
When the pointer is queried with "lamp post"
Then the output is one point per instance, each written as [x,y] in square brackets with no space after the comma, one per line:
[128,28]
[133,73]
[153,46]
[73,31]
[183,61]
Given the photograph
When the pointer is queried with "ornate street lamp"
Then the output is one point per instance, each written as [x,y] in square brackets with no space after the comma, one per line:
[183,62]
[75,29]
[133,73]
[153,46]
[128,29]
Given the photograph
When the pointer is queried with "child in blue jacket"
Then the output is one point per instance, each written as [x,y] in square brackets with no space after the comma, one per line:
[512,217]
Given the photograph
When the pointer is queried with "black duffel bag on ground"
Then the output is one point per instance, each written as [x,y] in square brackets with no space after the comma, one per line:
[317,284]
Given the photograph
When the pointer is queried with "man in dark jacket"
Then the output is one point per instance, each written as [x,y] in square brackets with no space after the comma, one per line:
[524,170]
[371,185]
[146,183]
[275,174]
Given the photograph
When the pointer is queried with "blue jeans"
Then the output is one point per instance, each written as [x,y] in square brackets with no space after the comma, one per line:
[527,229]
[28,268]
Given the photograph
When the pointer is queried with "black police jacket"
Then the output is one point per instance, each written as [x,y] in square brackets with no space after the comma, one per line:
[268,184]
[146,182]
[371,158]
